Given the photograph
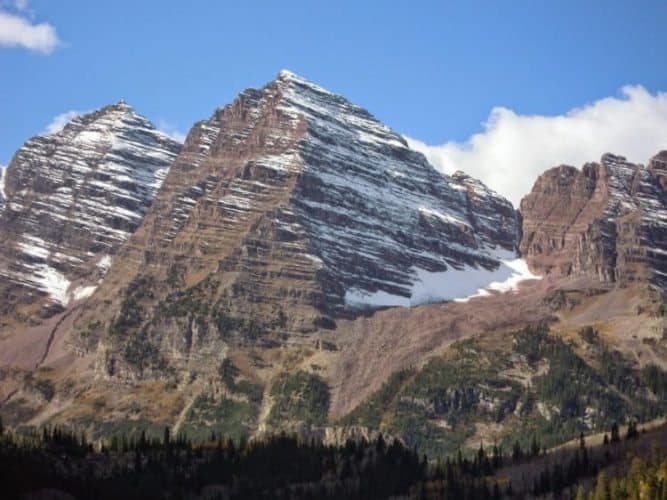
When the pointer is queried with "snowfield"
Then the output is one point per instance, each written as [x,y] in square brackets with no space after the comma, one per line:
[459,285]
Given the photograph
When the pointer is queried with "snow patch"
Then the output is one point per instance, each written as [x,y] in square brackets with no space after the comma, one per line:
[459,285]
[104,263]
[83,292]
[446,218]
[360,299]
[34,251]
[52,282]
[315,259]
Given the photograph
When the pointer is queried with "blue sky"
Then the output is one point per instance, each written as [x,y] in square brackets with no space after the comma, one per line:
[433,70]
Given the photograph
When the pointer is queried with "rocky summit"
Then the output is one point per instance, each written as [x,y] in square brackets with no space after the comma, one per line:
[72,198]
[607,220]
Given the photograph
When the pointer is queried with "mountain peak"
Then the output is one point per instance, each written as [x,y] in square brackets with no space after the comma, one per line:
[97,176]
[286,74]
[120,106]
[287,77]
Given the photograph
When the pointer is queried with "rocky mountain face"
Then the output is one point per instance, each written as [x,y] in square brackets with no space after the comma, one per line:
[607,220]
[249,289]
[285,210]
[72,198]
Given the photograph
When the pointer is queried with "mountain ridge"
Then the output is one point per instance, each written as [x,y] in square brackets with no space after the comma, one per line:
[291,148]
[260,285]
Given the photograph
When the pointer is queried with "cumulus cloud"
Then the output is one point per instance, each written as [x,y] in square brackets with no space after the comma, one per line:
[168,129]
[513,149]
[18,31]
[59,122]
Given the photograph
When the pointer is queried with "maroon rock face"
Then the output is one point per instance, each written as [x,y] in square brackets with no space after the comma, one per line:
[607,220]
[287,208]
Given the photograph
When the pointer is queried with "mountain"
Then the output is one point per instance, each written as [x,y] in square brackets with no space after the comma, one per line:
[607,220]
[287,209]
[301,268]
[72,198]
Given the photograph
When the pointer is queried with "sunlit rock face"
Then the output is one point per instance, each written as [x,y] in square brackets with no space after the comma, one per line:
[72,198]
[607,220]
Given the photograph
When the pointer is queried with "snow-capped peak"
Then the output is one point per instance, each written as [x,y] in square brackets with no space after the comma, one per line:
[80,191]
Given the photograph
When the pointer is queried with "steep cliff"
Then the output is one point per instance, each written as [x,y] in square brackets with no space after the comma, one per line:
[607,220]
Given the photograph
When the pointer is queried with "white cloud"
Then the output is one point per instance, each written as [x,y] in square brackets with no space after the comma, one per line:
[59,122]
[514,149]
[168,129]
[17,31]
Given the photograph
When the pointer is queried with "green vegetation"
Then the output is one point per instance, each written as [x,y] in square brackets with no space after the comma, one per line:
[156,464]
[254,392]
[162,465]
[440,407]
[236,419]
[58,464]
[183,303]
[226,324]
[17,412]
[299,397]
[131,313]
[645,478]
[656,380]
[123,429]
[370,413]
[589,335]
[435,409]
[229,373]
[139,352]
[44,387]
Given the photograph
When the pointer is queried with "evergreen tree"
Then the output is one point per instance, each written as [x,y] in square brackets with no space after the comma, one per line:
[167,437]
[496,491]
[517,453]
[535,447]
[633,433]
[601,491]
[510,491]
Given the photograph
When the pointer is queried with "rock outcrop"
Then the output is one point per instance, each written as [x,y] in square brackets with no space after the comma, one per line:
[72,198]
[607,220]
